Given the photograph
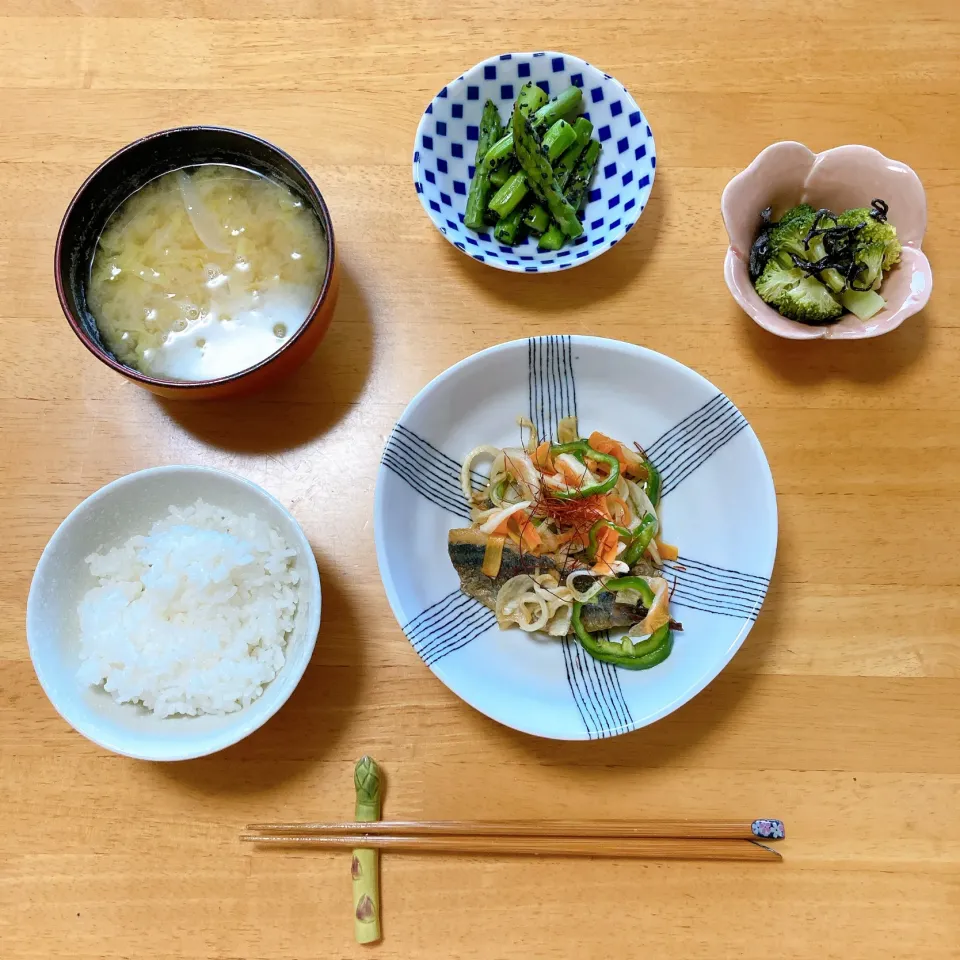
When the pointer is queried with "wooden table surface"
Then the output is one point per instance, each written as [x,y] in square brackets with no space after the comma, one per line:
[841,714]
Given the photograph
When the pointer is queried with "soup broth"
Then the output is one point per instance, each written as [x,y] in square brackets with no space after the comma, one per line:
[205,272]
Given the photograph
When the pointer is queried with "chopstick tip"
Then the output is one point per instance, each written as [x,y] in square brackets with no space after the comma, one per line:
[775,854]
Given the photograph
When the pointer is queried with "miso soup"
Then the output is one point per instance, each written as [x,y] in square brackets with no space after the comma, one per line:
[205,272]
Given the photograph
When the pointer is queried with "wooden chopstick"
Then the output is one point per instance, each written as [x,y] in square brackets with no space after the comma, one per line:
[648,848]
[677,829]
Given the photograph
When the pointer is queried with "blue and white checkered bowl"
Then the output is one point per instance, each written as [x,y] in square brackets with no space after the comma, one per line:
[445,149]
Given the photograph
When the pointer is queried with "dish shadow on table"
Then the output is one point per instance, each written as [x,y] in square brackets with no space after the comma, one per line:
[306,405]
[309,725]
[560,293]
[668,740]
[876,360]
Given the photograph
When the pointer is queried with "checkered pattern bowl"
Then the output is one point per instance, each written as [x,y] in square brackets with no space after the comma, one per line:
[445,149]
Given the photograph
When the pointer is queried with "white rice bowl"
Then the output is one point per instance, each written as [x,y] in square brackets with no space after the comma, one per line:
[126,509]
[193,617]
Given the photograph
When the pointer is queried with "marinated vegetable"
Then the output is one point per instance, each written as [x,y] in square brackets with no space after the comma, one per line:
[813,265]
[564,541]
[532,176]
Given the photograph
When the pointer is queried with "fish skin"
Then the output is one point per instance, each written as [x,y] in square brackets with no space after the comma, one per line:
[466,547]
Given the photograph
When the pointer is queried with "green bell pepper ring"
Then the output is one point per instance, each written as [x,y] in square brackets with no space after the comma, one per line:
[641,540]
[625,653]
[645,654]
[632,583]
[581,449]
[653,484]
[595,530]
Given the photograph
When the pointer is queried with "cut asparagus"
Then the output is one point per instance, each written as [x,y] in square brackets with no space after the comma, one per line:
[546,116]
[578,183]
[500,151]
[530,99]
[537,167]
[537,220]
[559,138]
[480,188]
[509,195]
[507,231]
[558,108]
[490,132]
[556,159]
[553,239]
[583,129]
[564,167]
[365,868]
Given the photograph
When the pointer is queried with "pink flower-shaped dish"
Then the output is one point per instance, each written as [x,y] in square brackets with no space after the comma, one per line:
[786,174]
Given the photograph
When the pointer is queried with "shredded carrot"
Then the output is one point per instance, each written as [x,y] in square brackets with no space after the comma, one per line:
[607,543]
[504,526]
[604,444]
[542,459]
[522,531]
[667,550]
[530,538]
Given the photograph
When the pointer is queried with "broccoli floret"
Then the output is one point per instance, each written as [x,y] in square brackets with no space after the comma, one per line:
[789,237]
[802,210]
[775,280]
[874,231]
[809,302]
[855,216]
[870,257]
[796,295]
[891,256]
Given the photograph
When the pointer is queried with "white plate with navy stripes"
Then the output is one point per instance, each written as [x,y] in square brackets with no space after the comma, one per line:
[446,146]
[718,506]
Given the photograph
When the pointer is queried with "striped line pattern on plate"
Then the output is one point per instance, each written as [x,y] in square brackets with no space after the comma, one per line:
[448,625]
[686,447]
[710,589]
[596,691]
[551,388]
[595,686]
[428,471]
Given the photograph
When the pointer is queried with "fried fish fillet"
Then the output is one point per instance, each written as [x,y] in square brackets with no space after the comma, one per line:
[466,547]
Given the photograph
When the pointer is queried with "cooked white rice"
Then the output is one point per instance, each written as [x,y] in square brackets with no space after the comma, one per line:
[192,618]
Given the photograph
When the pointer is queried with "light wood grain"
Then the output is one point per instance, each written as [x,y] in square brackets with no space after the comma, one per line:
[840,714]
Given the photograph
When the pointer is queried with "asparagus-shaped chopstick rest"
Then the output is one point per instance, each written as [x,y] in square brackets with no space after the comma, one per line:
[365,867]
